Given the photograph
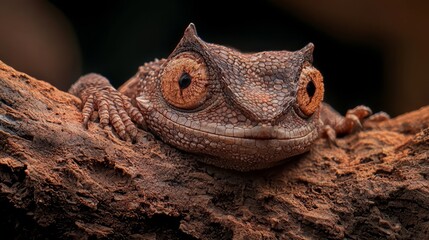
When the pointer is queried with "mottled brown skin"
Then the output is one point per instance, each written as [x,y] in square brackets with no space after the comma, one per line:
[246,111]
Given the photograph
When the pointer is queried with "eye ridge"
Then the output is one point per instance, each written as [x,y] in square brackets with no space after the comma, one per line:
[185,80]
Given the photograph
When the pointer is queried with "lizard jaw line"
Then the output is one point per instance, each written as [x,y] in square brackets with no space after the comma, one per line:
[257,133]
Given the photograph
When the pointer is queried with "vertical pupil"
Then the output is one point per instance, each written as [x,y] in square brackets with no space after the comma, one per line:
[311,89]
[184,81]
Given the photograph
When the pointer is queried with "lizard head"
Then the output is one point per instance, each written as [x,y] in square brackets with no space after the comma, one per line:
[247,110]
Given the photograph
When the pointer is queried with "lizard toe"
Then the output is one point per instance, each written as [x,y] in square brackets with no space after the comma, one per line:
[129,126]
[361,112]
[116,121]
[379,117]
[103,108]
[87,110]
[133,112]
[352,122]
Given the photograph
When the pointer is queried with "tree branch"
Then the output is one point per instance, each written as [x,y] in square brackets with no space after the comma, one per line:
[59,180]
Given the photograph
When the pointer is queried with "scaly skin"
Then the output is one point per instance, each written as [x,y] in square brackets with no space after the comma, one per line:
[247,111]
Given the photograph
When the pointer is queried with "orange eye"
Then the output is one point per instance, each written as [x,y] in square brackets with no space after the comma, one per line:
[184,82]
[310,89]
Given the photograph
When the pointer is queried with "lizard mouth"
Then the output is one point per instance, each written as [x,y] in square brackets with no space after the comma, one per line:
[258,132]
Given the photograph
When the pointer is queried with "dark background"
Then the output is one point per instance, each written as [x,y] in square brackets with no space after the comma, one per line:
[114,38]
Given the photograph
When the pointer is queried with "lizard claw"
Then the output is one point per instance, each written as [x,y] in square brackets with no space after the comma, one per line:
[361,112]
[329,133]
[352,123]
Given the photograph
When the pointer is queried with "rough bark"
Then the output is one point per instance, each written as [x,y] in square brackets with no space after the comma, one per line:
[59,180]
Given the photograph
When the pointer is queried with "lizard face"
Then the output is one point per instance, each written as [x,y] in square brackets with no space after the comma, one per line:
[248,111]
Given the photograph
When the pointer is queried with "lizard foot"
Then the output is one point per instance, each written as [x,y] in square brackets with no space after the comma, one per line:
[353,119]
[113,108]
[334,124]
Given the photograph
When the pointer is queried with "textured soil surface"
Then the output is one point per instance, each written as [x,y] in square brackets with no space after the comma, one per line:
[58,180]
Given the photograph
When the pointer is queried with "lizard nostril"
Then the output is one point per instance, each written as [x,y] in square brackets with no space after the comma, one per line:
[263,132]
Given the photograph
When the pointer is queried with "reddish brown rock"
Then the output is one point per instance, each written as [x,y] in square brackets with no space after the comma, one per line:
[58,180]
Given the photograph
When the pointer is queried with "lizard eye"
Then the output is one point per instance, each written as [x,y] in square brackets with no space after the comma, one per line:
[184,82]
[310,90]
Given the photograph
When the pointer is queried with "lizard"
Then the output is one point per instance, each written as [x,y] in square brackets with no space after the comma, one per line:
[246,111]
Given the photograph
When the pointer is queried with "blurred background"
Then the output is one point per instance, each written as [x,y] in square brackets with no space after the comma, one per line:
[370,52]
